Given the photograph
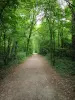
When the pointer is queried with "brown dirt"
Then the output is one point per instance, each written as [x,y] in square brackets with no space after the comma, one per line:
[34,80]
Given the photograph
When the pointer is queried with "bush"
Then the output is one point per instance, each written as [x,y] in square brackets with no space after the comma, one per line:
[65,66]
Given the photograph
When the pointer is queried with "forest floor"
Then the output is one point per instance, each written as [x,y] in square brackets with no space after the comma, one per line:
[35,79]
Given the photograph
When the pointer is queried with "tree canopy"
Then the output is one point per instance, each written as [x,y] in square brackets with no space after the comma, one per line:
[46,27]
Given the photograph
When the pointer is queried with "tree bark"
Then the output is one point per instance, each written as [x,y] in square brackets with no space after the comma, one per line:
[73,35]
[31,28]
[4,55]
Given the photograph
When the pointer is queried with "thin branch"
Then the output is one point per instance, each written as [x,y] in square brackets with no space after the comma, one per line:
[69,3]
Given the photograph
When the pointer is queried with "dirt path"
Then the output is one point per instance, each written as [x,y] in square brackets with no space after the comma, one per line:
[33,80]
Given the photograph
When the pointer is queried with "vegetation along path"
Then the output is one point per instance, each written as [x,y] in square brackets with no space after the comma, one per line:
[33,80]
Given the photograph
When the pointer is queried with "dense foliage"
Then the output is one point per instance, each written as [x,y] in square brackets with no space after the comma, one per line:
[46,27]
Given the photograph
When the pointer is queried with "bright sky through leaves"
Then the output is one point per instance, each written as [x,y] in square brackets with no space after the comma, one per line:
[39,17]
[62,3]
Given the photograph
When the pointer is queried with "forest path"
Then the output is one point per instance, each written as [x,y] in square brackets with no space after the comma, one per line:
[32,80]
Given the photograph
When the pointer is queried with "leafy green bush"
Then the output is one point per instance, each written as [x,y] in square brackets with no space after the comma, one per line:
[19,58]
[65,66]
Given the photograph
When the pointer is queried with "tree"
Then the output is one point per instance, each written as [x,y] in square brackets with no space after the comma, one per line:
[72,8]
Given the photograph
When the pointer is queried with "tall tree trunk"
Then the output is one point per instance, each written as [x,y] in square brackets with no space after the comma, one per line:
[72,7]
[58,29]
[31,28]
[15,49]
[73,34]
[29,38]
[58,38]
[52,35]
[51,45]
[4,55]
[53,48]
[62,39]
[8,48]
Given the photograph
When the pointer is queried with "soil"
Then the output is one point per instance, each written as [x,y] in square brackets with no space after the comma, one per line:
[35,80]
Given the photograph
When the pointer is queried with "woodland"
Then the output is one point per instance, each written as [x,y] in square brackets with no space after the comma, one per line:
[46,27]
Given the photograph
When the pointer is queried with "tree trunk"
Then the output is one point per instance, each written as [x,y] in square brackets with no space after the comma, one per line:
[73,35]
[8,48]
[29,38]
[4,55]
[31,28]
[72,7]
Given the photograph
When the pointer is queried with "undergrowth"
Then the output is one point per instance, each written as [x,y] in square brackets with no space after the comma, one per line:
[64,66]
[21,56]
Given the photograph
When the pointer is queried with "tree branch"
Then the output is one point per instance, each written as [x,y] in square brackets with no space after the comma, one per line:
[69,3]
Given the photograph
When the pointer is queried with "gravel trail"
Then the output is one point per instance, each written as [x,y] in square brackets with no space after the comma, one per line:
[32,80]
